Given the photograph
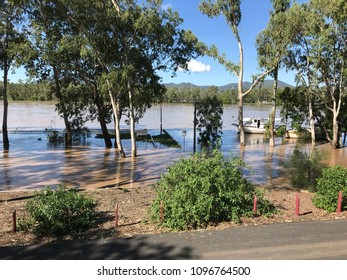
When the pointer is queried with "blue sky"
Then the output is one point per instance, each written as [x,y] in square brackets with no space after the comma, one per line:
[205,71]
[255,16]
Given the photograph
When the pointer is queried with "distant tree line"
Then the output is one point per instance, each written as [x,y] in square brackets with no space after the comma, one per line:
[42,91]
[229,96]
[29,91]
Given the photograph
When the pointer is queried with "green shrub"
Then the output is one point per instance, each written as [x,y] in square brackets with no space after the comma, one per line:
[60,212]
[305,168]
[333,180]
[209,121]
[205,189]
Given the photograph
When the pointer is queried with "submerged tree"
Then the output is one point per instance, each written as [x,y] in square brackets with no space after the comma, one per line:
[150,40]
[330,52]
[11,44]
[301,59]
[209,117]
[272,44]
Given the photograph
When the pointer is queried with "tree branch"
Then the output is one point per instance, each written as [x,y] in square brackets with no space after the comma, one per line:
[257,81]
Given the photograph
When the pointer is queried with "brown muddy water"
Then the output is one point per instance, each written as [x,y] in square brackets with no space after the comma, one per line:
[33,163]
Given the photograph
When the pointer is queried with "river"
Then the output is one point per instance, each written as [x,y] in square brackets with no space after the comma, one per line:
[33,163]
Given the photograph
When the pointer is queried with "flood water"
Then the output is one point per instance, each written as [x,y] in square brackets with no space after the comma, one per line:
[33,163]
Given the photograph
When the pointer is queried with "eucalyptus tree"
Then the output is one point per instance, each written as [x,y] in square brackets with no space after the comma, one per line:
[128,44]
[231,10]
[301,58]
[330,51]
[152,41]
[58,47]
[45,30]
[11,46]
[272,45]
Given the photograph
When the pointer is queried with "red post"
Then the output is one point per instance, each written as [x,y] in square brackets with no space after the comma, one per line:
[14,221]
[339,203]
[297,205]
[161,211]
[116,210]
[255,204]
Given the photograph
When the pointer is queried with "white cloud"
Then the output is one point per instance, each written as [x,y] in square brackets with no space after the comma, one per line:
[167,6]
[197,66]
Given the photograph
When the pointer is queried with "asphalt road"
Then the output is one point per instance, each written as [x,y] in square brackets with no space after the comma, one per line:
[291,241]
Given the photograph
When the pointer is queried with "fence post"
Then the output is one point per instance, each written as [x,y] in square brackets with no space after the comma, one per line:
[297,205]
[339,203]
[14,221]
[255,204]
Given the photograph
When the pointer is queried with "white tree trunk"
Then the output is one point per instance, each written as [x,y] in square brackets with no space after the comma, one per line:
[335,142]
[312,128]
[116,113]
[273,110]
[240,91]
[132,121]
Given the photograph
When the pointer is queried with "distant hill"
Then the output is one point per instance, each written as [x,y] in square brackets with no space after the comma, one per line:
[266,83]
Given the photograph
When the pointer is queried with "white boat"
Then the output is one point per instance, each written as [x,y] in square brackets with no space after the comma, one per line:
[255,125]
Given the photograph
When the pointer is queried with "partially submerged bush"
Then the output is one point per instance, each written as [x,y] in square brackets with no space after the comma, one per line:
[333,181]
[305,167]
[205,189]
[79,135]
[60,212]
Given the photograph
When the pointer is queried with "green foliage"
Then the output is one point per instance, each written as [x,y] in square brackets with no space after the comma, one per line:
[203,189]
[333,180]
[60,212]
[209,116]
[281,130]
[38,91]
[55,137]
[305,168]
[79,135]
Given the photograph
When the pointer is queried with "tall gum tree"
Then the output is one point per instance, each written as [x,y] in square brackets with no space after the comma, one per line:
[231,10]
[46,28]
[151,40]
[272,45]
[330,52]
[129,43]
[11,42]
[301,57]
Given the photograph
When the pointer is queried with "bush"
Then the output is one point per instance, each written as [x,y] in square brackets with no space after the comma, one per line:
[60,212]
[209,121]
[79,135]
[305,168]
[205,189]
[333,180]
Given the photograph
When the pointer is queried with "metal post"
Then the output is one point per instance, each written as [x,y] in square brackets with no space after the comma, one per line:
[194,130]
[161,118]
[184,133]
